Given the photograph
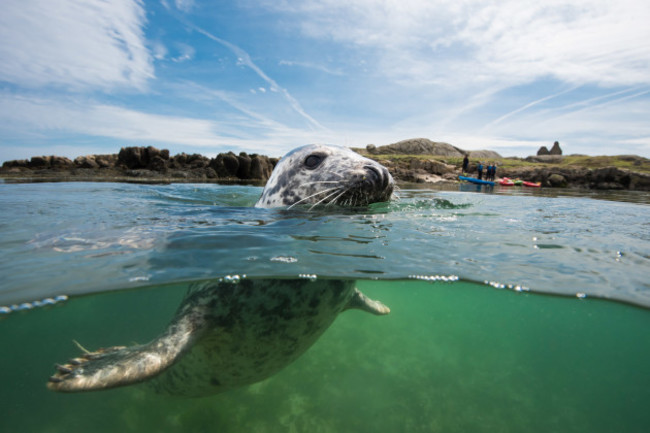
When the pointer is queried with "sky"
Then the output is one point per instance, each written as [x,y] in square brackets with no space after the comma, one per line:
[81,77]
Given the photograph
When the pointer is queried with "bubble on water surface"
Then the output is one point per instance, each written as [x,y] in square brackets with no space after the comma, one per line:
[26,306]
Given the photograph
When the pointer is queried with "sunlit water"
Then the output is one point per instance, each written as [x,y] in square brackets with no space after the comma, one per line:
[469,344]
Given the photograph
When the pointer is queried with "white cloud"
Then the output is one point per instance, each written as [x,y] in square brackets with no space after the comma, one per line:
[74,44]
[181,5]
[159,50]
[604,125]
[104,120]
[25,116]
[244,59]
[483,42]
[186,52]
[312,65]
[184,5]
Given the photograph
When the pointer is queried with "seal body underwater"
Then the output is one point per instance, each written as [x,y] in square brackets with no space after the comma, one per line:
[228,334]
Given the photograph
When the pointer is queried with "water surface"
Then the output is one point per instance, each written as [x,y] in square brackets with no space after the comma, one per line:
[72,238]
[477,339]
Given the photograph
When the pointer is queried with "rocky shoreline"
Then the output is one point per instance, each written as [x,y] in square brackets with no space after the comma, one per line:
[408,161]
[413,161]
[551,176]
[142,164]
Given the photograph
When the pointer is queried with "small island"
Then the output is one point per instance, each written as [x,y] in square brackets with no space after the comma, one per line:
[418,160]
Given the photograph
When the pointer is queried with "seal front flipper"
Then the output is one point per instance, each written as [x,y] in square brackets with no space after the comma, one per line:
[119,366]
[360,301]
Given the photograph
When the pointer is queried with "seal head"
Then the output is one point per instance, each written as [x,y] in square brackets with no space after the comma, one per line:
[326,174]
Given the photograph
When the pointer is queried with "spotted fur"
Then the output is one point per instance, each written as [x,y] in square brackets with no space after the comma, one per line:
[225,334]
[326,174]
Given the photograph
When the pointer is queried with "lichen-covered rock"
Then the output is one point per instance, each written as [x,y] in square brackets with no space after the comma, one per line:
[158,163]
[87,161]
[230,163]
[196,160]
[210,173]
[141,157]
[545,159]
[484,154]
[61,162]
[106,161]
[557,181]
[244,171]
[130,157]
[40,162]
[261,167]
[430,166]
[418,146]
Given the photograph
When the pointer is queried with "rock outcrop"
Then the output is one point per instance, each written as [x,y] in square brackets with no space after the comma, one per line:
[484,155]
[416,146]
[143,164]
[148,164]
[555,150]
[545,159]
[420,170]
[424,146]
[574,177]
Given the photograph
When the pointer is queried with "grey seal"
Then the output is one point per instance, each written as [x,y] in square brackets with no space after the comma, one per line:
[325,174]
[234,332]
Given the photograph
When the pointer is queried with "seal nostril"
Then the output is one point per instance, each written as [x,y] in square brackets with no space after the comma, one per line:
[373,174]
[386,177]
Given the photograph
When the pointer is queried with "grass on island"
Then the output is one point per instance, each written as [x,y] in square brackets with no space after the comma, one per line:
[633,163]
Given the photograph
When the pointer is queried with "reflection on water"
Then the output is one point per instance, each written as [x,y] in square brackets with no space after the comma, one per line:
[85,238]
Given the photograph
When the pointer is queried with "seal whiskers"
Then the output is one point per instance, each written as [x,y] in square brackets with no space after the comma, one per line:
[330,202]
[305,172]
[226,334]
[335,189]
[337,197]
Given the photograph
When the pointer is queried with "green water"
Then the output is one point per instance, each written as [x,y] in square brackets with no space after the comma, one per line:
[451,357]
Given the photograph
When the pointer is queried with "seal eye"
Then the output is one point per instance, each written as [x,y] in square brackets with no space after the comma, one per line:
[312,161]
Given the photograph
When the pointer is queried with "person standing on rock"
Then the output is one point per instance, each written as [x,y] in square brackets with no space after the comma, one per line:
[465,164]
[492,168]
[480,170]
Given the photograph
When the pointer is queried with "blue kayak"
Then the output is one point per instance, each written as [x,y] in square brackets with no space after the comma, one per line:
[477,181]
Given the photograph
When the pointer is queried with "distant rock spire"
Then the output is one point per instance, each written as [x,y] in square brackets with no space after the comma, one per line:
[555,150]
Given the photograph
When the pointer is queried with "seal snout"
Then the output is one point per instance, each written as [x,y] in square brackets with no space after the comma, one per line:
[326,175]
[377,176]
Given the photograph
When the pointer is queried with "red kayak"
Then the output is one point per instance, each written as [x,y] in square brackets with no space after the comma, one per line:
[506,182]
[532,184]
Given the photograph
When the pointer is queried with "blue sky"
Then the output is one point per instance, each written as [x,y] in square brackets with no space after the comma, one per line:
[79,77]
